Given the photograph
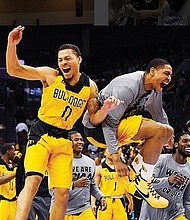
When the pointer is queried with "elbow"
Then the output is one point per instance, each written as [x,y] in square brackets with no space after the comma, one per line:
[94,121]
[12,71]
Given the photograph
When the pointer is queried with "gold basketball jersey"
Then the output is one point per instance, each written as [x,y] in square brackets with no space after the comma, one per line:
[62,104]
[7,190]
[110,184]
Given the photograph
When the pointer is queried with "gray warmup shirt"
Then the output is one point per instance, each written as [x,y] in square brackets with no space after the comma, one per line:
[129,88]
[165,167]
[79,198]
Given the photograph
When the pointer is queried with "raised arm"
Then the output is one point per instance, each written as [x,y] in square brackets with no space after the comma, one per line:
[23,71]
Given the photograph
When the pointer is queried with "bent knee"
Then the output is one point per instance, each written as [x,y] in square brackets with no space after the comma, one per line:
[170,131]
[165,131]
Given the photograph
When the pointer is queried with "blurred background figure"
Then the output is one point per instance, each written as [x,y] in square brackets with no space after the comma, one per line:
[7,182]
[120,10]
[175,13]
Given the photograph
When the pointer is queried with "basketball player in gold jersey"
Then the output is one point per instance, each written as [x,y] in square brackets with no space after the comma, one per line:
[7,182]
[66,93]
[111,185]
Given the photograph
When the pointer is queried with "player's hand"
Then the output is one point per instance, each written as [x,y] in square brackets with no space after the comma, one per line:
[111,103]
[93,207]
[121,169]
[130,208]
[82,182]
[176,179]
[119,166]
[15,35]
[103,203]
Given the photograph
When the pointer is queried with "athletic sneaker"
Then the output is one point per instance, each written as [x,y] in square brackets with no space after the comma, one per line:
[141,188]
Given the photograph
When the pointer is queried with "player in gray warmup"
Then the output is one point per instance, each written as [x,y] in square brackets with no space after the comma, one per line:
[171,178]
[137,90]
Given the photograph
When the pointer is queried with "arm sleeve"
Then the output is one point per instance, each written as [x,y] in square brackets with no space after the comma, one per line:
[186,202]
[155,108]
[159,182]
[111,122]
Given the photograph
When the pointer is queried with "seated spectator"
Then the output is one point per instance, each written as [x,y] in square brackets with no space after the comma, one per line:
[120,10]
[175,13]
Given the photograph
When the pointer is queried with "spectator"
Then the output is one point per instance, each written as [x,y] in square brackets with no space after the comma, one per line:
[120,10]
[93,151]
[175,13]
[21,132]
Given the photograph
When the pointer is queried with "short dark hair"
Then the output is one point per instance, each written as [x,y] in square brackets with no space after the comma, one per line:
[178,135]
[70,133]
[156,63]
[5,147]
[73,47]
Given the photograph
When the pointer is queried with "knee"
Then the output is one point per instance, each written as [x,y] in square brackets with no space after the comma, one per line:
[32,183]
[61,195]
[170,131]
[165,132]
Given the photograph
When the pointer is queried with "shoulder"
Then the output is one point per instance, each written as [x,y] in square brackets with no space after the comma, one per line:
[90,160]
[92,83]
[49,73]
[98,170]
[85,79]
[93,89]
[164,157]
[47,70]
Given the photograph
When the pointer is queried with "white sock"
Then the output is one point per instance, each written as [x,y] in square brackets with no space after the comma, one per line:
[137,163]
[147,170]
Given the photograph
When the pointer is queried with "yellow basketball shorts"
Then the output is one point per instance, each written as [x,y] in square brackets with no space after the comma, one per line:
[126,130]
[115,210]
[182,217]
[7,210]
[45,152]
[87,214]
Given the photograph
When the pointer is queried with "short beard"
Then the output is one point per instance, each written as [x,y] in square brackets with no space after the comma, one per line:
[183,153]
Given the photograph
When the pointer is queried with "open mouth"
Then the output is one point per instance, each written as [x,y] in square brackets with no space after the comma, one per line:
[162,85]
[66,70]
[80,146]
[187,149]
